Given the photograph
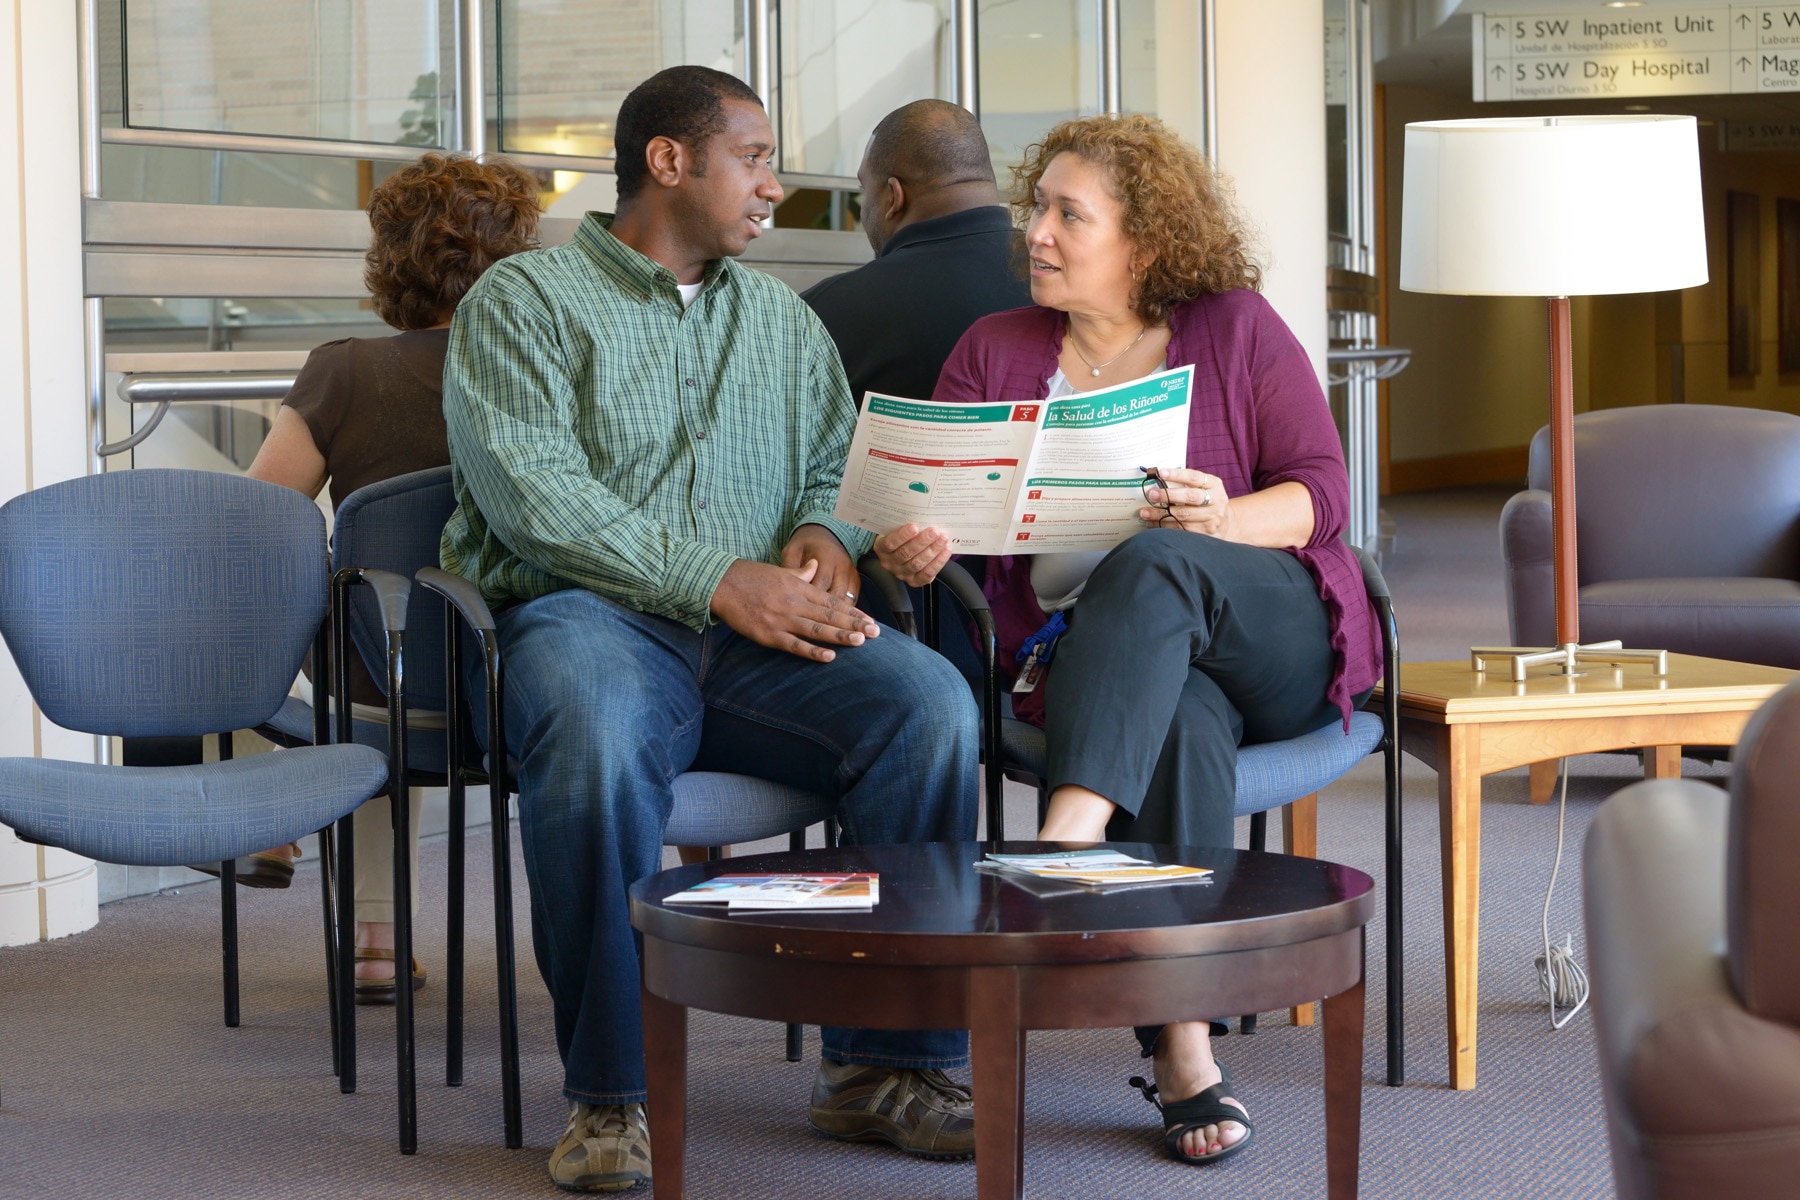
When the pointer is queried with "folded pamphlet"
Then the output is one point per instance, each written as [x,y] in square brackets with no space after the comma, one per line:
[1016,477]
[848,892]
[1094,870]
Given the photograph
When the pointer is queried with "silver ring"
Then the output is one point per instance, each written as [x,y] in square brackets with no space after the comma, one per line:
[850,596]
[1205,499]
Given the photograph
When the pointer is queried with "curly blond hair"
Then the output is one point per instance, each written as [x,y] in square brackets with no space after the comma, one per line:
[1176,207]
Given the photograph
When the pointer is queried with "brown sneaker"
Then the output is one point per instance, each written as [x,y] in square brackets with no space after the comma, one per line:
[920,1111]
[606,1148]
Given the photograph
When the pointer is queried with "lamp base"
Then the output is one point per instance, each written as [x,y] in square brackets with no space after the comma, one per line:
[1566,658]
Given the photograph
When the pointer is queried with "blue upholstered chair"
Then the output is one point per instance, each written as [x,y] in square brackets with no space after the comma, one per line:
[1287,775]
[394,525]
[170,604]
[712,809]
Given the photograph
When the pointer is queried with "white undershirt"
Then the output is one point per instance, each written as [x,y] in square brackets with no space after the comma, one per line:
[689,291]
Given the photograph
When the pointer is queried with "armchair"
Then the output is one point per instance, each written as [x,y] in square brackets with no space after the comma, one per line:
[1688,521]
[1689,898]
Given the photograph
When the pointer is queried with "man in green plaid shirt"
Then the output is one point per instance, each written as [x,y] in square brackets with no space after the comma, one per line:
[647,440]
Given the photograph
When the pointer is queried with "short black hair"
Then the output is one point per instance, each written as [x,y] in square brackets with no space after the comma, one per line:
[930,144]
[684,104]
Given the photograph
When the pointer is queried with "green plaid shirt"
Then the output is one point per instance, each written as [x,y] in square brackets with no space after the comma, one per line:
[601,437]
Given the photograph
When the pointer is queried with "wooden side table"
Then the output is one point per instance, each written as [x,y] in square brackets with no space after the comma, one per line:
[952,948]
[1466,725]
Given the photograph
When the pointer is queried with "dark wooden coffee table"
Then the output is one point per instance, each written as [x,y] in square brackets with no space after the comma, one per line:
[949,947]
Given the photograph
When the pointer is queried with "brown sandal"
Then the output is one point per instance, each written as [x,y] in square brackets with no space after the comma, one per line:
[263,869]
[381,991]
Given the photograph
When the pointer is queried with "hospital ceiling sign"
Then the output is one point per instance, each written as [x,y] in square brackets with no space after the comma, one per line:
[1637,52]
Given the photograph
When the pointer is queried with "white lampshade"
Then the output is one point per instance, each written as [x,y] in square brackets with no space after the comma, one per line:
[1552,206]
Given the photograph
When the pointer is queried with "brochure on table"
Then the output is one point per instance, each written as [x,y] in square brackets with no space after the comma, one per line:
[755,893]
[1094,870]
[1016,477]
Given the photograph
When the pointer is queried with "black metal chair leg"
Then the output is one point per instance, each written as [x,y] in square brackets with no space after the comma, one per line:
[831,832]
[1396,926]
[795,1033]
[346,840]
[1396,930]
[228,916]
[326,849]
[405,1052]
[228,936]
[507,983]
[407,1086]
[1259,840]
[346,950]
[453,952]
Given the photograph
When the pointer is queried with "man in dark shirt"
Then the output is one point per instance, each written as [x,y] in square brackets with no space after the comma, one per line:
[946,253]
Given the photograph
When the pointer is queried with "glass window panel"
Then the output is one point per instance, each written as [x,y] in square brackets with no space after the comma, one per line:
[1137,56]
[566,65]
[356,70]
[235,323]
[1337,164]
[845,64]
[1039,65]
[182,176]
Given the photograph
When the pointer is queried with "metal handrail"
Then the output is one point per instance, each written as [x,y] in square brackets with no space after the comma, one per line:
[1389,361]
[163,390]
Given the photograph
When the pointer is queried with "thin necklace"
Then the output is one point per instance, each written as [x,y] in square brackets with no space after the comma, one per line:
[1092,369]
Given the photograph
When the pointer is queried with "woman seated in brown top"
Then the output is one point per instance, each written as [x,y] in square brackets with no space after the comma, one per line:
[367,409]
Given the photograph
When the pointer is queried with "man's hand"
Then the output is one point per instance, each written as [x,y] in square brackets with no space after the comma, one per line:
[784,609]
[837,574]
[913,555]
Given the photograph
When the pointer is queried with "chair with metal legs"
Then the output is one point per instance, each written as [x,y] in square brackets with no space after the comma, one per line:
[170,605]
[1286,775]
[711,809]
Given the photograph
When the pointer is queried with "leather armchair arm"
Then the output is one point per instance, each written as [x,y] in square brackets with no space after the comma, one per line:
[1527,541]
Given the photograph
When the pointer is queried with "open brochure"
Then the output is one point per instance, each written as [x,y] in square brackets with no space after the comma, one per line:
[1014,477]
[1095,870]
[790,893]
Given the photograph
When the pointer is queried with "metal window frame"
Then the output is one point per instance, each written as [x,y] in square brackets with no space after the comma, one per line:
[135,249]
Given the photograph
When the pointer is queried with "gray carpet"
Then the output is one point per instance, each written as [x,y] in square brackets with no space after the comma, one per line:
[118,1078]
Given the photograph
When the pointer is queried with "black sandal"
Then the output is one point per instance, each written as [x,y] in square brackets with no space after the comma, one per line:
[1197,1112]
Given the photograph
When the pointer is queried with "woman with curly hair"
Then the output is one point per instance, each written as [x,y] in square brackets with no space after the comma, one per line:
[367,409]
[1237,616]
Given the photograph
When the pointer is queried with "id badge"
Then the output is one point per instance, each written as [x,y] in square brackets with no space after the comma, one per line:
[1031,673]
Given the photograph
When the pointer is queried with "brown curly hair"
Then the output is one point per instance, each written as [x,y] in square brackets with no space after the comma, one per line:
[1176,207]
[439,223]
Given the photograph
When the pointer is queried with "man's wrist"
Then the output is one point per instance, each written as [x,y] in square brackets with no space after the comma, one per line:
[854,540]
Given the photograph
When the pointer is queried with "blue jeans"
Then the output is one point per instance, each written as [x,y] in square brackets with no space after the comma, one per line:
[605,706]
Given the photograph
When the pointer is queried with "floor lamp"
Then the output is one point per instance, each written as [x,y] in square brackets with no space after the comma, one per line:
[1554,207]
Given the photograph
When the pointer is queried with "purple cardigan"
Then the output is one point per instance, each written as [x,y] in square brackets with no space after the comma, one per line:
[1258,419]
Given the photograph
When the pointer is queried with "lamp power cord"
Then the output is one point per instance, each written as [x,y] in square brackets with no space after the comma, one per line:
[1561,980]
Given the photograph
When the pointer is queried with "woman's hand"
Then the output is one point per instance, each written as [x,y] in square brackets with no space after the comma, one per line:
[913,555]
[1193,500]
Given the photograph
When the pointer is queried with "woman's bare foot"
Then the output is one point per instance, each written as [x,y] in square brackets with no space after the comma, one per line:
[378,935]
[1076,815]
[1185,1068]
